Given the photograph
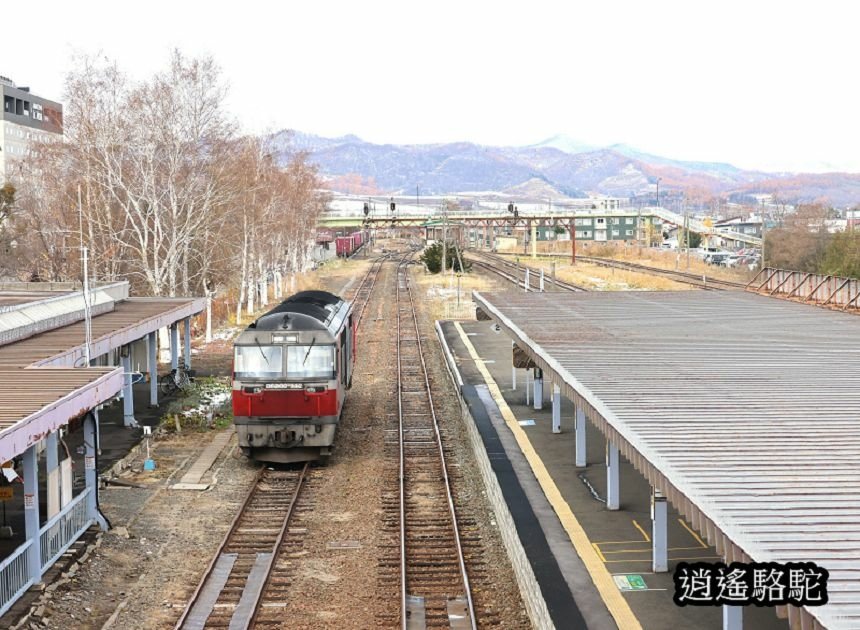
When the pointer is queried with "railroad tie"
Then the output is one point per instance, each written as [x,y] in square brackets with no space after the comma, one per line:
[205,603]
[253,588]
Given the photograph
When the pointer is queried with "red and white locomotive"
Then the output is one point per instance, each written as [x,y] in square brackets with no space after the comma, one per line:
[291,370]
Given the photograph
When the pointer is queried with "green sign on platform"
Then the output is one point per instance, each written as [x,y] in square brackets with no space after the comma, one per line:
[630,582]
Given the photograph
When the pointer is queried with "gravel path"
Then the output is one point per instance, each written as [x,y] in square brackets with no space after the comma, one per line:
[161,541]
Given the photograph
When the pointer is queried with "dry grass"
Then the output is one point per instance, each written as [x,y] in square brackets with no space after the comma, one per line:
[439,293]
[336,270]
[600,278]
[664,259]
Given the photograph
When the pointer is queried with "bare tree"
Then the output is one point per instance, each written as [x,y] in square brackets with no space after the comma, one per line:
[153,179]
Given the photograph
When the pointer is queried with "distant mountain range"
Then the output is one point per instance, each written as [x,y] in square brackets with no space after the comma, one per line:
[557,167]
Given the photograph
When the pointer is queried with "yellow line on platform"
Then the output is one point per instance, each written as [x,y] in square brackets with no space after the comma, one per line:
[648,550]
[644,533]
[612,597]
[699,558]
[693,534]
[599,552]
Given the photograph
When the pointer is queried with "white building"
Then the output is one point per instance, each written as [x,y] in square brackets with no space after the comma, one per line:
[25,119]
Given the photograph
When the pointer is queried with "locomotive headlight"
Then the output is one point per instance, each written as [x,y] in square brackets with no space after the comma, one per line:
[315,389]
[285,338]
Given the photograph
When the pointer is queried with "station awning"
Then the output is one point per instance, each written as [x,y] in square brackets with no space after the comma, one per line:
[743,409]
[42,389]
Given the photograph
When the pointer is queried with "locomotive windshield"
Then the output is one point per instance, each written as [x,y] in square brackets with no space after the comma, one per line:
[259,361]
[310,361]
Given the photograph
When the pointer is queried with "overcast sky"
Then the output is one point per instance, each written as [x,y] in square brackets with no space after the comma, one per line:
[758,84]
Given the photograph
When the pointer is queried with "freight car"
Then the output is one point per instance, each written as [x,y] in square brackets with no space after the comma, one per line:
[291,370]
[346,246]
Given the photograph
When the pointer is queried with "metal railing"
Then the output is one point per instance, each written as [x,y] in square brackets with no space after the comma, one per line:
[55,537]
[15,576]
[60,532]
[813,288]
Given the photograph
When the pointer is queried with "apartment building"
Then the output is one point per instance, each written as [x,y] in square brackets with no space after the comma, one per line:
[25,119]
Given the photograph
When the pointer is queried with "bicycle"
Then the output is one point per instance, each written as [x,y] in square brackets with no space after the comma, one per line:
[176,379]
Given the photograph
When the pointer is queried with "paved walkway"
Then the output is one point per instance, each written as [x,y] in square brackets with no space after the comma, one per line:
[604,556]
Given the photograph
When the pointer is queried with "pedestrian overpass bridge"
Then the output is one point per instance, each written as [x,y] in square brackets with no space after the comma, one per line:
[488,218]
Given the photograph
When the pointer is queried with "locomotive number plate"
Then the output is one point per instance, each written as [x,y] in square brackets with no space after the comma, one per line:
[285,386]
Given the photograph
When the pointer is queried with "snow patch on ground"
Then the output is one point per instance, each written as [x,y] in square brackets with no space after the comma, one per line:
[439,292]
[225,334]
[212,399]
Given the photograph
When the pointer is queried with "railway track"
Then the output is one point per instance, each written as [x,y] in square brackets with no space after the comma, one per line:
[702,281]
[230,593]
[426,555]
[365,288]
[511,272]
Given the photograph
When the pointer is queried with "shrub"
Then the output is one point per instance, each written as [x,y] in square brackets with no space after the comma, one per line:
[204,404]
[432,258]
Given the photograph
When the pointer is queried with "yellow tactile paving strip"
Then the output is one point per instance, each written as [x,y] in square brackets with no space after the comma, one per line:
[612,597]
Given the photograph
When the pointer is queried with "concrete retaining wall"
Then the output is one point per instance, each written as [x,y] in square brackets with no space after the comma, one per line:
[529,589]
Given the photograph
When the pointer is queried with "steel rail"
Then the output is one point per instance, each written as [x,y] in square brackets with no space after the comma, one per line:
[568,286]
[403,269]
[495,270]
[679,276]
[221,547]
[271,564]
[232,531]
[371,274]
[701,281]
[401,466]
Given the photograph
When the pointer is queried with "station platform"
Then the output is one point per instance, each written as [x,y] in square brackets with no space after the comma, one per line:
[115,441]
[65,355]
[593,564]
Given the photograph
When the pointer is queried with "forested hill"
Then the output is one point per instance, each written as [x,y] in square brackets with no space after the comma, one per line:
[353,165]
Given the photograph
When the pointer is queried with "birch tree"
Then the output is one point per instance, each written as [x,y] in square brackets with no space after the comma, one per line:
[153,178]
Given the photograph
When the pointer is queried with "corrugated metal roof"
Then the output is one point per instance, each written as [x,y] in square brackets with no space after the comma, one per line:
[744,409]
[27,391]
[41,391]
[14,298]
[127,315]
[36,402]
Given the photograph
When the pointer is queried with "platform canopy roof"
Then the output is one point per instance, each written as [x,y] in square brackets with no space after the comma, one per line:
[743,409]
[45,383]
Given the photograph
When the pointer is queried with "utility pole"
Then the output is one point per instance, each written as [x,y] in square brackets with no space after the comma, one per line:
[85,285]
[444,237]
[533,236]
[87,312]
[687,235]
[573,240]
[462,268]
